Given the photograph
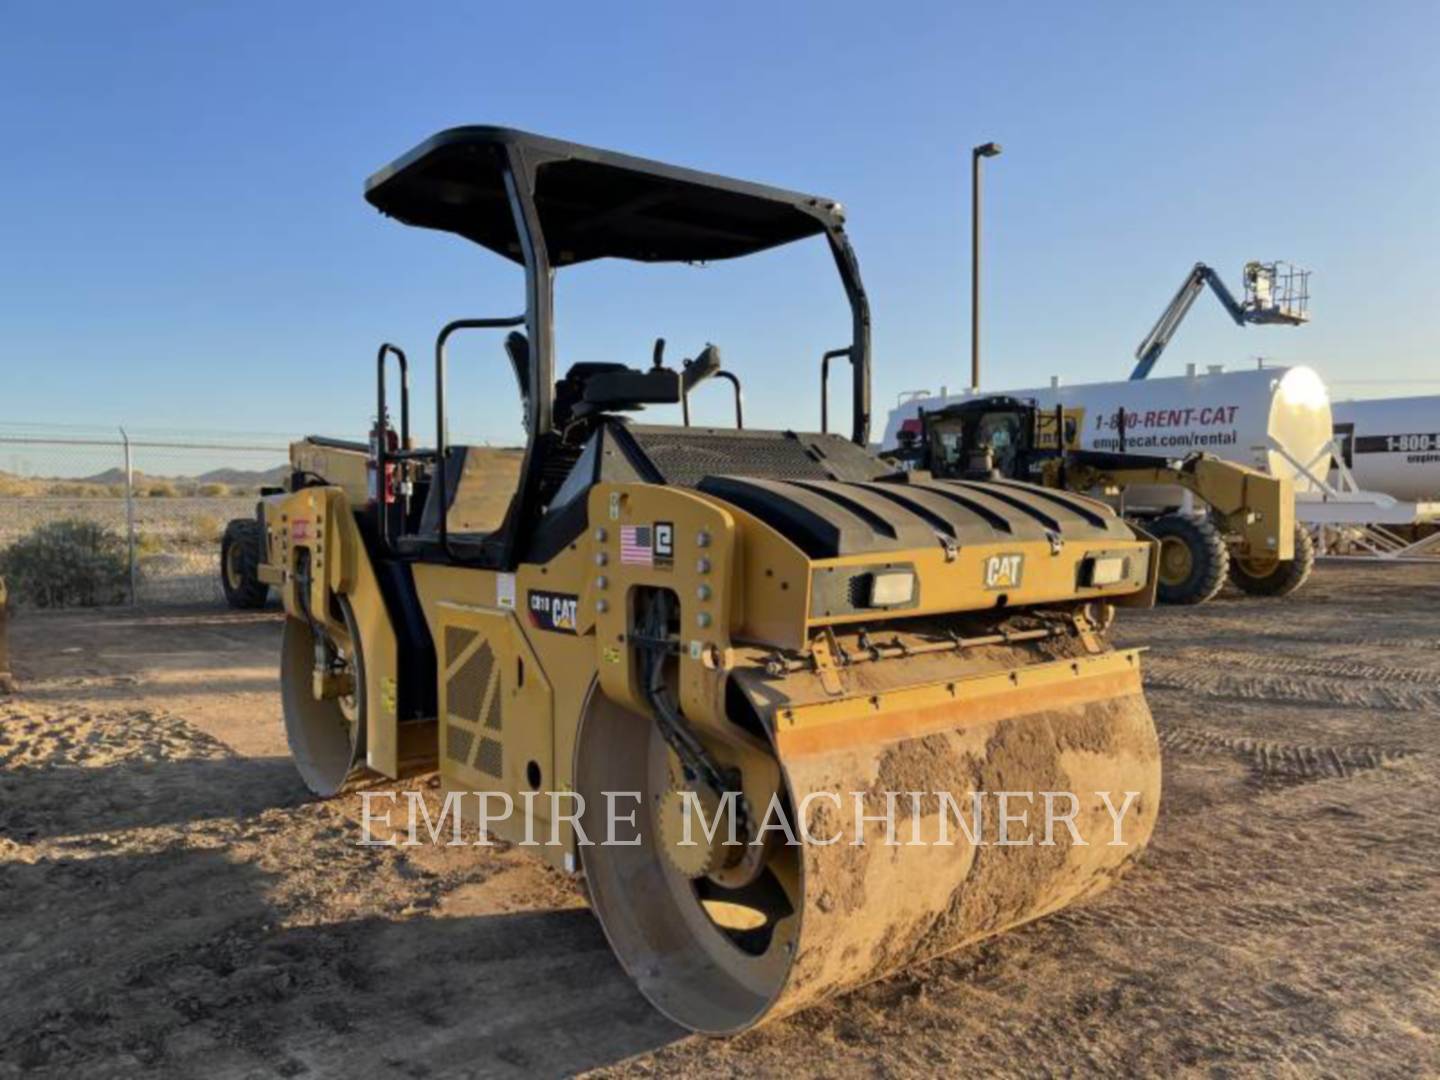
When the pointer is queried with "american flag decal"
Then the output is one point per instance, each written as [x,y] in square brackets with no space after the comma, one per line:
[636,546]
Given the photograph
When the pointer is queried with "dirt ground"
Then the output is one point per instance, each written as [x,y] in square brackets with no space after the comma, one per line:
[172,903]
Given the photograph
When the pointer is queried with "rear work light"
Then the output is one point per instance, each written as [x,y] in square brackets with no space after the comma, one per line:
[892,588]
[1105,570]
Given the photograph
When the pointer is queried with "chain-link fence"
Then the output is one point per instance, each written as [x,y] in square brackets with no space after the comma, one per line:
[133,517]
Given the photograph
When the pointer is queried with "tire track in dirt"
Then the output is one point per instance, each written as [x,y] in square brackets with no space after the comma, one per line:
[1270,759]
[1325,693]
[1291,665]
[1321,638]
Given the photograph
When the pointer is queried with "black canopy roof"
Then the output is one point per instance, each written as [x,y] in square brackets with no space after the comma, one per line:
[591,203]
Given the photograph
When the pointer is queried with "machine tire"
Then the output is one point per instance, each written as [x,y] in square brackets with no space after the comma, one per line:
[1277,578]
[1193,558]
[241,550]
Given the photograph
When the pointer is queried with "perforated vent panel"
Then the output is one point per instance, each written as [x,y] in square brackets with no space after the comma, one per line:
[457,638]
[492,715]
[472,692]
[490,759]
[458,743]
[466,692]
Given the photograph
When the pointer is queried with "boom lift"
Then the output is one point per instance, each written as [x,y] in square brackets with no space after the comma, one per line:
[1275,293]
[1249,531]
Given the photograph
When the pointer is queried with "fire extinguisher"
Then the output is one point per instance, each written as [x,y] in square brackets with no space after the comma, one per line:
[381,430]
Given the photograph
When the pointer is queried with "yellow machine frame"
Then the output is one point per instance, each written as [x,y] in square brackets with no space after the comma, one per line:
[736,619]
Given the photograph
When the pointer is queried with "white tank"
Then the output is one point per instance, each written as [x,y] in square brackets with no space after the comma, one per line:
[1392,445]
[1242,416]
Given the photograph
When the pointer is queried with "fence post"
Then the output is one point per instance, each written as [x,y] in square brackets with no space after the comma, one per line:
[129,513]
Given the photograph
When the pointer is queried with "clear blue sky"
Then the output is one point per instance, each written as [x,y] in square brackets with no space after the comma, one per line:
[183,241]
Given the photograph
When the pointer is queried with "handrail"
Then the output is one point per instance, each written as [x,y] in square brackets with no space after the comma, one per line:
[734,381]
[739,397]
[441,436]
[833,354]
[381,450]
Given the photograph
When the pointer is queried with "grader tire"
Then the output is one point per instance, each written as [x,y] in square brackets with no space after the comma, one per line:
[1193,559]
[1276,578]
[240,555]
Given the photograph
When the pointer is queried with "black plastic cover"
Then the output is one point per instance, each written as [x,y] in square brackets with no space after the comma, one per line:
[592,203]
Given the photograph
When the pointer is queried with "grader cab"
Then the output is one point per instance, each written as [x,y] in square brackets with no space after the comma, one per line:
[751,623]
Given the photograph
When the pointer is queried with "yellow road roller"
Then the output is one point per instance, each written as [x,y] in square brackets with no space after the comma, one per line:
[824,697]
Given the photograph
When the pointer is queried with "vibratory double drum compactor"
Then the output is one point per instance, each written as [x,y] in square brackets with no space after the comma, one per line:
[763,625]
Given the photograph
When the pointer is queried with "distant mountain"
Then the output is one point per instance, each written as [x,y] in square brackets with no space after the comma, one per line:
[231,477]
[109,476]
[245,477]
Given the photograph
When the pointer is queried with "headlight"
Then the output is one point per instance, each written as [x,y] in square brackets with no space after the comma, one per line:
[892,588]
[1106,570]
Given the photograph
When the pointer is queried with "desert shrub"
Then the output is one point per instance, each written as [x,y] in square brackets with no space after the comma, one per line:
[201,529]
[65,564]
[214,491]
[79,489]
[162,489]
[147,544]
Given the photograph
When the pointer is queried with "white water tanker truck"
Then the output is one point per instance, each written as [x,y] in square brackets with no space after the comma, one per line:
[1392,445]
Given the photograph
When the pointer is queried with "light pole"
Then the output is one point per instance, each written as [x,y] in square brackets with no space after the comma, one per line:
[985,150]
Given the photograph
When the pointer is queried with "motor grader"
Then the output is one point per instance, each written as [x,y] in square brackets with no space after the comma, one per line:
[1213,518]
[732,620]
